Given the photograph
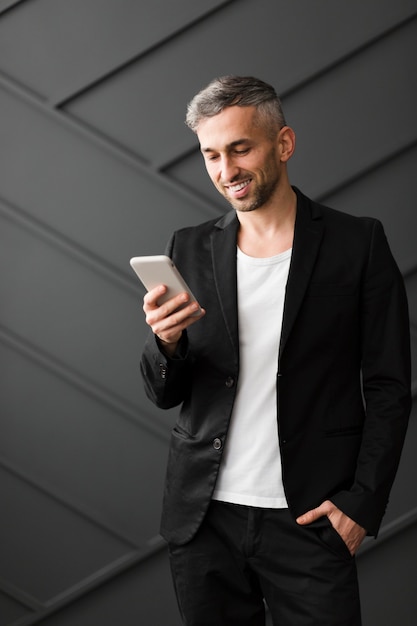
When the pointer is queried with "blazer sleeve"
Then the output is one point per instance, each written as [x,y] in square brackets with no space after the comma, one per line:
[167,380]
[386,380]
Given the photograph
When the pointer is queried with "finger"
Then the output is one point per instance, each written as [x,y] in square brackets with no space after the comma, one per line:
[311,516]
[172,335]
[166,308]
[172,312]
[150,301]
[307,518]
[172,325]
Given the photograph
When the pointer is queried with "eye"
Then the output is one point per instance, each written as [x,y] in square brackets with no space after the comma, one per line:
[242,151]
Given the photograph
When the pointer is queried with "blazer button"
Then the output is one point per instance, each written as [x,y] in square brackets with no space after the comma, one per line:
[229,382]
[217,443]
[163,371]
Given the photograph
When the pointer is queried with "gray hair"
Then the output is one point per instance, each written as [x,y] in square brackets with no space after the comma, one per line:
[242,91]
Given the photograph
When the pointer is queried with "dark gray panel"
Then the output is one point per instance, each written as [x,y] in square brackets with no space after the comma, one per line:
[67,310]
[143,107]
[356,115]
[48,547]
[79,188]
[387,193]
[142,596]
[56,47]
[388,581]
[80,448]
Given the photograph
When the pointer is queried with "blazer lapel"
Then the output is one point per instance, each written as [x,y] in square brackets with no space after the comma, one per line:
[223,248]
[307,239]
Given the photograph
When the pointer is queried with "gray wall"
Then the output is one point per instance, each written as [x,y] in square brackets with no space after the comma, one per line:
[97,166]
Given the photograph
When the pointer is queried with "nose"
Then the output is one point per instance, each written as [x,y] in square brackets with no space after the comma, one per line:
[228,169]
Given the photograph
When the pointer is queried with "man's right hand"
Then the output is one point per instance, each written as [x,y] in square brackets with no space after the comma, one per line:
[167,320]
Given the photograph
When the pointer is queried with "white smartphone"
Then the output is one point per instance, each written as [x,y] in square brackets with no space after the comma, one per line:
[160,270]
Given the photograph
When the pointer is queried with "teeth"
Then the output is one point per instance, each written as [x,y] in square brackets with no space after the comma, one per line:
[239,186]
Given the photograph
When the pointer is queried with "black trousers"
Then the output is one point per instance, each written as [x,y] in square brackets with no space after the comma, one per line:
[243,557]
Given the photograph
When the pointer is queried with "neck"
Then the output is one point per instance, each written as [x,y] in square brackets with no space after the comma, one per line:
[269,230]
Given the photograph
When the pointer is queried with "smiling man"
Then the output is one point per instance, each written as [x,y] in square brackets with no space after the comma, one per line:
[293,381]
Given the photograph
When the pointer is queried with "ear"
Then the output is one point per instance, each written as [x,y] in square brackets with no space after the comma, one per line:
[286,140]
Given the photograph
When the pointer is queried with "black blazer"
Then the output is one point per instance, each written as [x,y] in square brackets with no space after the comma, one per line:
[343,369]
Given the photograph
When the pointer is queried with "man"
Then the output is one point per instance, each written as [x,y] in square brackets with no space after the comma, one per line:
[294,381]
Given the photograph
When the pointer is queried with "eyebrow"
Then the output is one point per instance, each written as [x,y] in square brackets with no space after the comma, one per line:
[230,146]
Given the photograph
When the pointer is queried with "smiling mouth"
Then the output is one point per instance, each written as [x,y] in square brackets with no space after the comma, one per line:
[238,186]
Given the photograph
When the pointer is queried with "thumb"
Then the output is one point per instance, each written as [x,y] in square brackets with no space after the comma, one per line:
[311,516]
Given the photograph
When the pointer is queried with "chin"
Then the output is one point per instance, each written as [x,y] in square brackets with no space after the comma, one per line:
[246,209]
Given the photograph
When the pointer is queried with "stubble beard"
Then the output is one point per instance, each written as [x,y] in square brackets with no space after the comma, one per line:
[261,196]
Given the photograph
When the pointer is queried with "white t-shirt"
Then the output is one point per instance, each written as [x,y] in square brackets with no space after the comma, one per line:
[250,471]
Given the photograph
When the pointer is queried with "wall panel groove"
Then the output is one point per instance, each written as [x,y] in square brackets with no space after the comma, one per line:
[28,601]
[397,526]
[8,5]
[385,159]
[121,407]
[78,508]
[91,584]
[105,143]
[63,100]
[42,230]
[68,44]
[356,52]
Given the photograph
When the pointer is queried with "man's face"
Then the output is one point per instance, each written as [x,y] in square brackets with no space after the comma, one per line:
[241,158]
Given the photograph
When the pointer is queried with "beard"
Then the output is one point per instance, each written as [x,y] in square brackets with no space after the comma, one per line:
[259,197]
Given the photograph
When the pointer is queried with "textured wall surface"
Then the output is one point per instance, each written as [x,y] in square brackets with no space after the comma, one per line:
[96,166]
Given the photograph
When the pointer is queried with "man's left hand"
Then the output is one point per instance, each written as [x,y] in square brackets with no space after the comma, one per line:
[351,533]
